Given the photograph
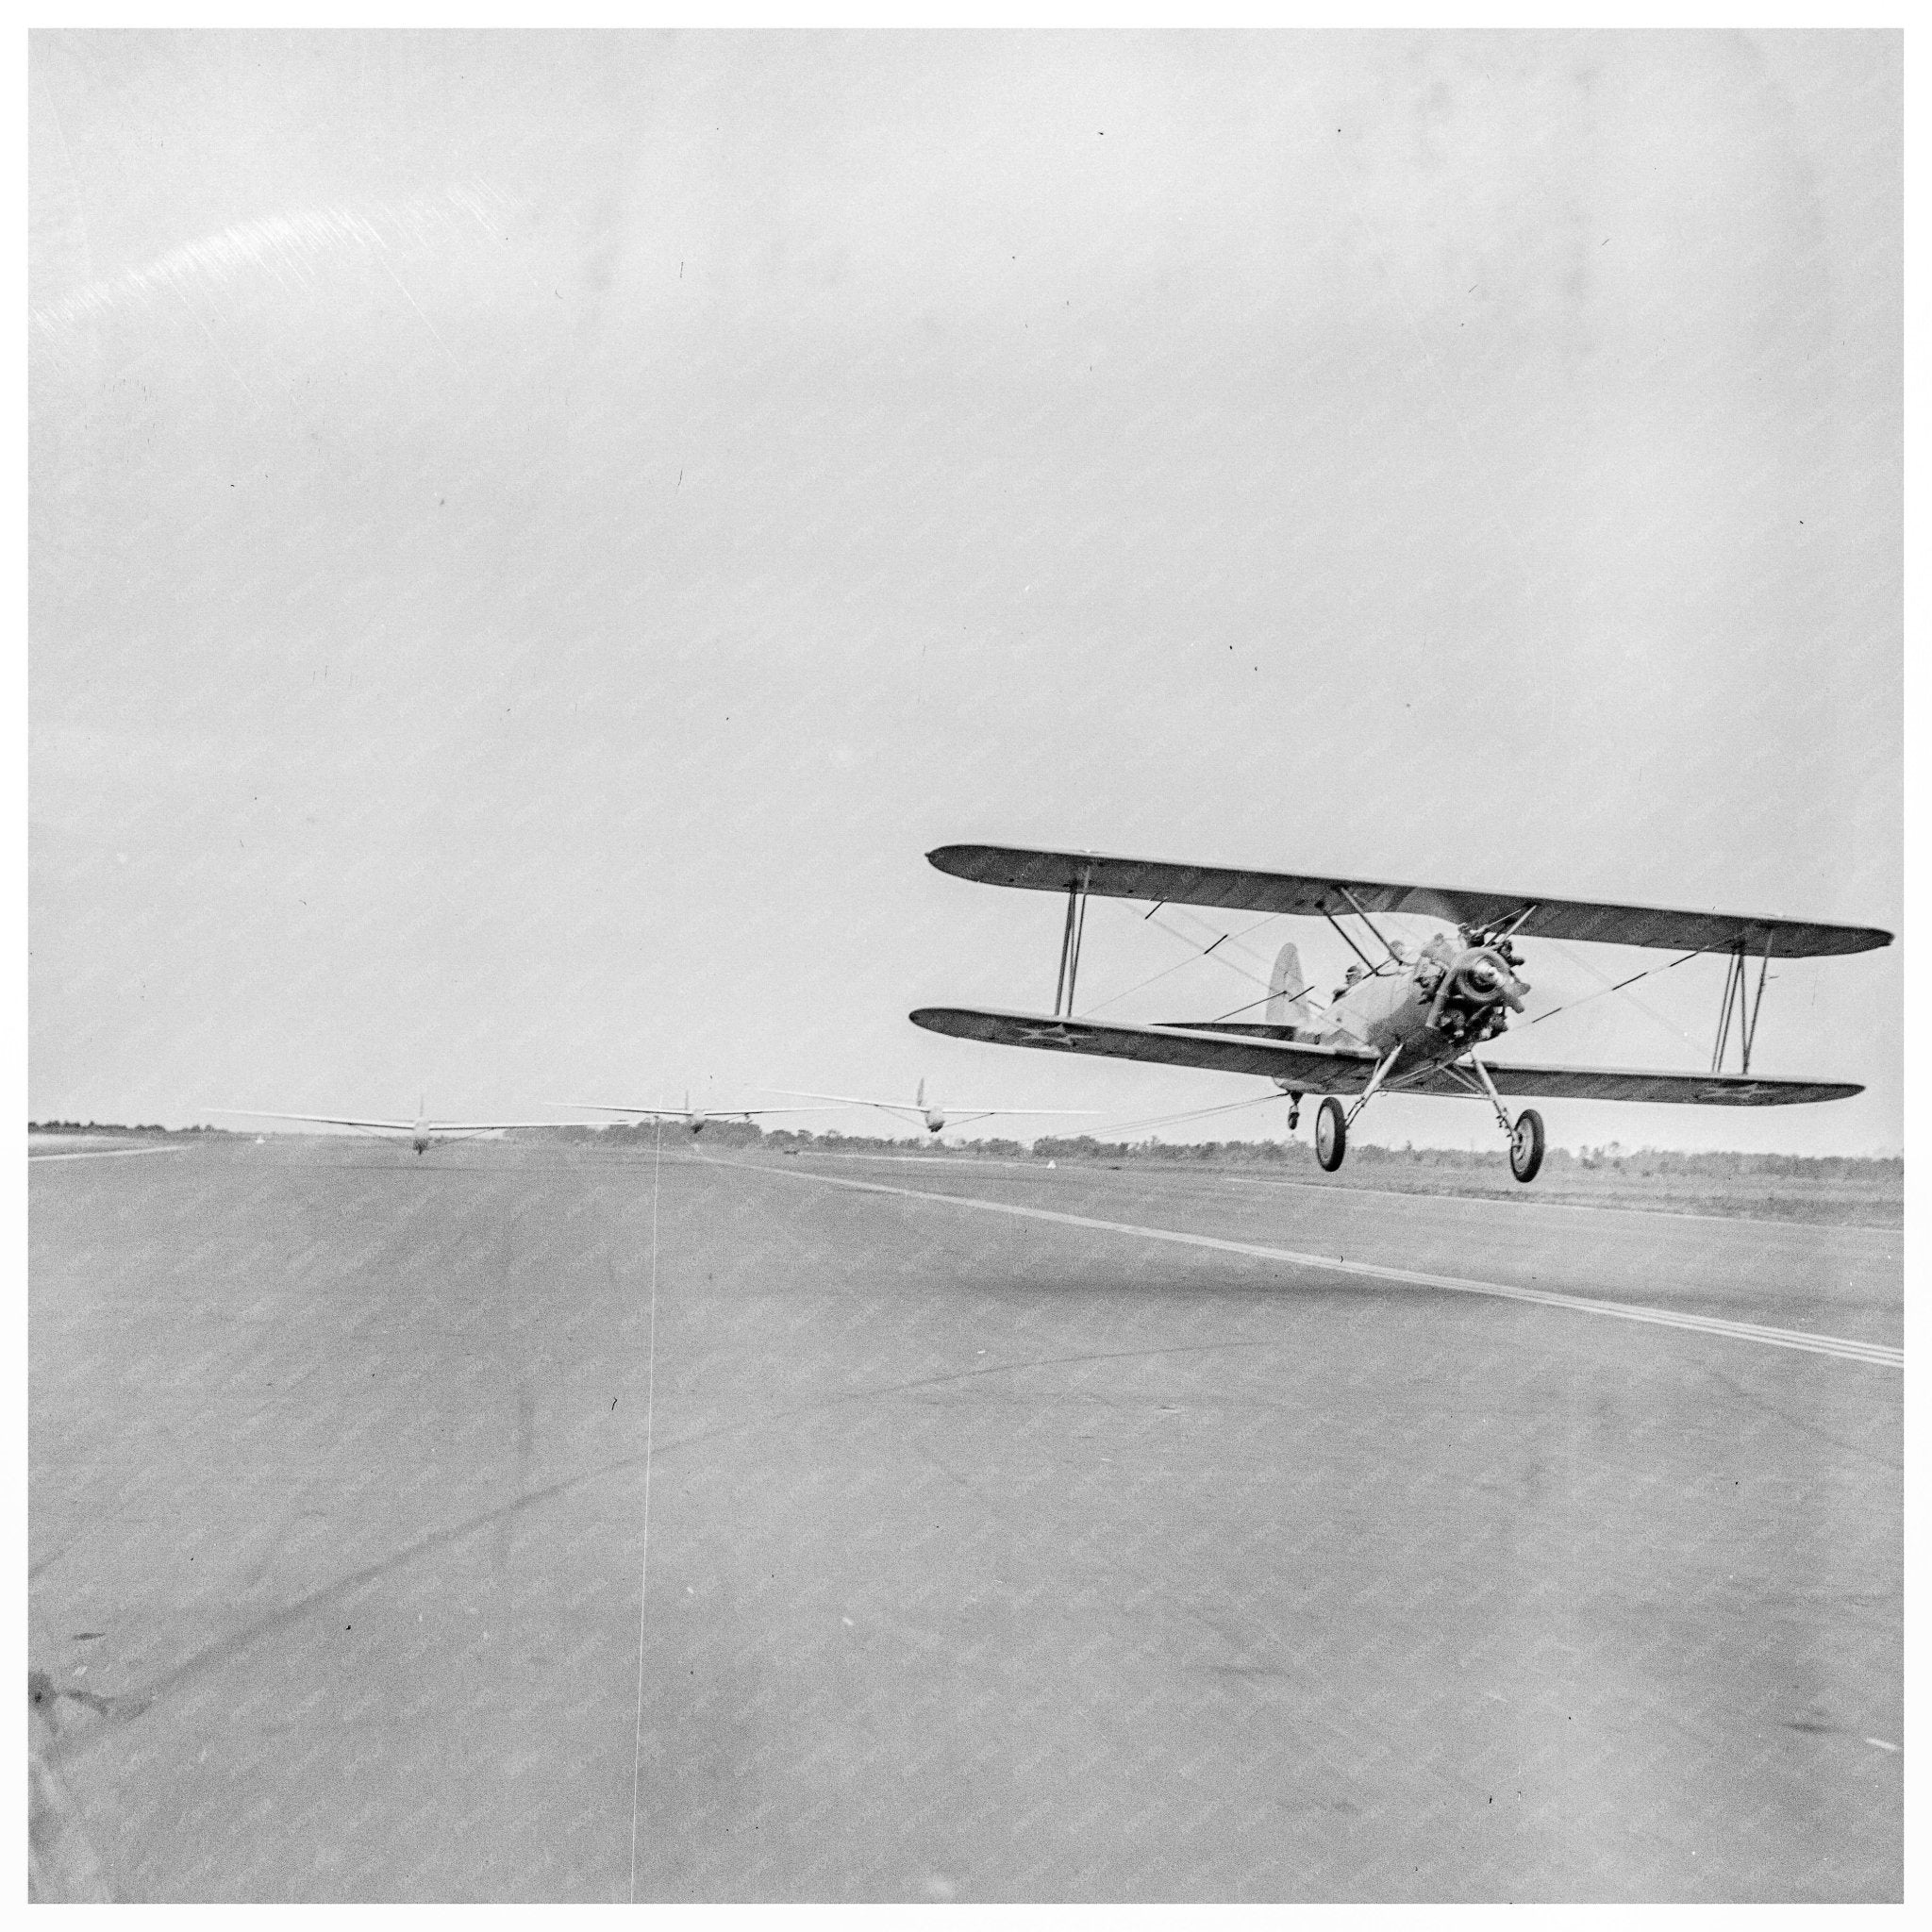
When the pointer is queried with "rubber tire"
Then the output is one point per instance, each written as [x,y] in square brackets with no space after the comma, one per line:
[1526,1145]
[1331,1134]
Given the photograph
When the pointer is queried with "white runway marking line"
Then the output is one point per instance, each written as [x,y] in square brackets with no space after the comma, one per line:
[102,1154]
[1842,1346]
[1345,1188]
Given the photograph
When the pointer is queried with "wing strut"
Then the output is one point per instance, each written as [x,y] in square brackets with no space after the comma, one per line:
[1368,963]
[1070,948]
[1741,1004]
[1394,955]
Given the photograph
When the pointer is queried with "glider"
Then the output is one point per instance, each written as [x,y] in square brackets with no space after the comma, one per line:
[934,1117]
[696,1118]
[421,1132]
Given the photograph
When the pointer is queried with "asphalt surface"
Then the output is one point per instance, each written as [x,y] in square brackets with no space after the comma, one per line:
[981,1555]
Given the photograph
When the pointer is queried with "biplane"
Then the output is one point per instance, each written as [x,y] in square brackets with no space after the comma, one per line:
[420,1132]
[1407,1019]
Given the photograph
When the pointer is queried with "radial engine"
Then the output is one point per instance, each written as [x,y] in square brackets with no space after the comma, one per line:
[1467,988]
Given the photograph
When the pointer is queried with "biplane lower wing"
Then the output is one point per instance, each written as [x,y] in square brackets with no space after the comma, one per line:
[1530,915]
[1336,1070]
[1629,1083]
[1316,1069]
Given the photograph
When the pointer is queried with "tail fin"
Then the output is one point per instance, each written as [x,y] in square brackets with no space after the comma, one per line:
[919,1098]
[1287,1004]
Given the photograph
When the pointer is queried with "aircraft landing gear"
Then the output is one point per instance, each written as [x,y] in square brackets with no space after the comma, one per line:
[1331,1134]
[1334,1121]
[1525,1136]
[1294,1111]
[1526,1145]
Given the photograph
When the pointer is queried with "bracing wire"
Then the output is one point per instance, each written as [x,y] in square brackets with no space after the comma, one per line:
[1199,1113]
[1113,999]
[1306,993]
[1605,987]
[1230,940]
[1233,940]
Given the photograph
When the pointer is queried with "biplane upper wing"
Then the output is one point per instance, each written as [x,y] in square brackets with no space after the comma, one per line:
[1340,1070]
[1238,889]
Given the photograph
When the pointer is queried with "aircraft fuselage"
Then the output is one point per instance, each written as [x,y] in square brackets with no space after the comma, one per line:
[1434,1006]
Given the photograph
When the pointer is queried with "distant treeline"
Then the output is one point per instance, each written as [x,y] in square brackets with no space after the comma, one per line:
[1614,1158]
[112,1128]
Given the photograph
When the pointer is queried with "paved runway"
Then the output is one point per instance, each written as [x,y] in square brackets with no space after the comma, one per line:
[990,1556]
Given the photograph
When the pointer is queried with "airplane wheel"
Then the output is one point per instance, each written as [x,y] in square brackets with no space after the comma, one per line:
[1526,1145]
[1331,1134]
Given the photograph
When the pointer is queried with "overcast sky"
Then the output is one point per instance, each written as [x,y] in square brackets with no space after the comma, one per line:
[534,536]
